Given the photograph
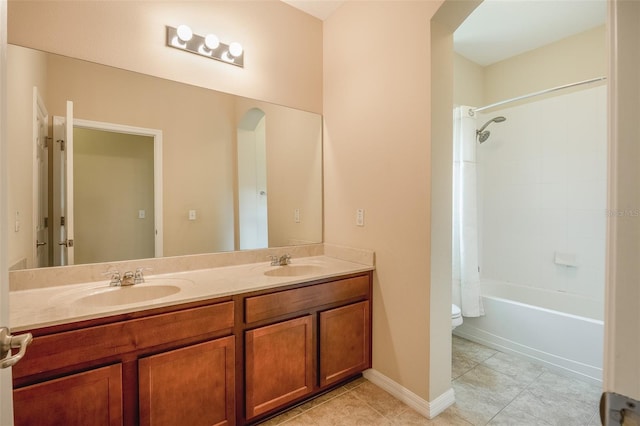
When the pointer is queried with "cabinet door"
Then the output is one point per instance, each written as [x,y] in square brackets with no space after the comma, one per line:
[189,386]
[279,364]
[344,342]
[90,398]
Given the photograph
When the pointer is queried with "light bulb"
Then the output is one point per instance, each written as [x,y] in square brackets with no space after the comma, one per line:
[235,49]
[184,32]
[211,41]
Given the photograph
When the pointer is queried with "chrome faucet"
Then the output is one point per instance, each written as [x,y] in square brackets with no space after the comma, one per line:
[128,278]
[283,260]
[115,278]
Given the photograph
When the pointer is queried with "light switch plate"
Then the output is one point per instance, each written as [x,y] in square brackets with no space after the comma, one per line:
[360,217]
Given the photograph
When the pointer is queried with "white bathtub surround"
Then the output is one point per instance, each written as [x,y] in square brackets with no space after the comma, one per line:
[466,276]
[542,194]
[542,200]
[545,334]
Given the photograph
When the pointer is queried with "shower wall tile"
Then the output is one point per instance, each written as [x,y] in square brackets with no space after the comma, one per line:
[542,190]
[586,223]
[553,170]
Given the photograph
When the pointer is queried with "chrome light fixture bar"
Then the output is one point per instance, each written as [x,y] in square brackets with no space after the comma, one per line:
[209,46]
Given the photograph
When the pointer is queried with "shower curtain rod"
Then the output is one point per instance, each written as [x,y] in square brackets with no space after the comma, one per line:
[541,92]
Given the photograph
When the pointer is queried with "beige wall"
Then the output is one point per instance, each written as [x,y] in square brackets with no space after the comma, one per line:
[25,70]
[113,180]
[468,86]
[377,149]
[283,46]
[575,58]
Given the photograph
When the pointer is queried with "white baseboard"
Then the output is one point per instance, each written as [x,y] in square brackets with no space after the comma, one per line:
[429,409]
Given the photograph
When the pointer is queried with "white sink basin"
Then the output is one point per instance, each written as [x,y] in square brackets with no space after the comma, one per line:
[114,296]
[294,270]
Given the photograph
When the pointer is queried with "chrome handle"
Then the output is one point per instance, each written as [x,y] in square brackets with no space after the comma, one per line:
[115,277]
[66,243]
[39,244]
[8,342]
[139,275]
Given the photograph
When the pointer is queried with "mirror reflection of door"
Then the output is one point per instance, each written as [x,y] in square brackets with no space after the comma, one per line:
[111,193]
[252,181]
[41,221]
[62,191]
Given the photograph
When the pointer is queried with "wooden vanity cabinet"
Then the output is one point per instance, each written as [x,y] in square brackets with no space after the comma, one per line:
[90,398]
[344,342]
[226,361]
[279,364]
[190,386]
[169,364]
[302,341]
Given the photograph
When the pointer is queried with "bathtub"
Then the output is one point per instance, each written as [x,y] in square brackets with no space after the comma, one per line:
[561,331]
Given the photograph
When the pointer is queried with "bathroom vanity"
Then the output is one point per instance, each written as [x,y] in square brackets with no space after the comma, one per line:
[229,359]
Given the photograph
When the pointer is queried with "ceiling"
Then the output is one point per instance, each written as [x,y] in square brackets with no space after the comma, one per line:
[321,9]
[500,29]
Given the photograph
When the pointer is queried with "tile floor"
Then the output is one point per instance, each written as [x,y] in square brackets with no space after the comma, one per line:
[492,388]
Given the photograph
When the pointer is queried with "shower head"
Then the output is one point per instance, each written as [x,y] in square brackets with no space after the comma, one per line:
[483,134]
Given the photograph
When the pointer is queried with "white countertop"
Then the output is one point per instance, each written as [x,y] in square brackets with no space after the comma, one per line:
[49,306]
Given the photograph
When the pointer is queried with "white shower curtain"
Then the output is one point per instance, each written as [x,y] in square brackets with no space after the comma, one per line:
[466,275]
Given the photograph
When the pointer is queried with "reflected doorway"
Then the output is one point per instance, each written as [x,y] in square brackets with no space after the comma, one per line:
[109,180]
[252,181]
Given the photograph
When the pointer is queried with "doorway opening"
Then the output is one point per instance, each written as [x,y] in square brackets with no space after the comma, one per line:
[109,181]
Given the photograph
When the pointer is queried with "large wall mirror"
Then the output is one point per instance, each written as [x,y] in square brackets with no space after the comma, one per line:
[236,173]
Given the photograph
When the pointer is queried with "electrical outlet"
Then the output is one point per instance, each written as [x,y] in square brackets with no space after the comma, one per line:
[360,217]
[192,215]
[296,215]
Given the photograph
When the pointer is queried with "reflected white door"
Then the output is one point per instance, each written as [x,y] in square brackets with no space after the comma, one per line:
[252,182]
[41,180]
[63,187]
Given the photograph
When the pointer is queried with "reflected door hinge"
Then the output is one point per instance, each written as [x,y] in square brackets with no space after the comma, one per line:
[47,139]
[46,222]
[62,144]
[61,220]
[66,243]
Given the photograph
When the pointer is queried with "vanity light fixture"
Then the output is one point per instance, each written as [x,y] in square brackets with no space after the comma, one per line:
[210,46]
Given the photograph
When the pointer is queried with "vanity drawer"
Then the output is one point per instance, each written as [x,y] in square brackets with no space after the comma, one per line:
[258,308]
[71,348]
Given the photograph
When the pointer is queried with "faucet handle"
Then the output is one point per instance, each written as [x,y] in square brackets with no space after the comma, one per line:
[115,277]
[275,260]
[139,275]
